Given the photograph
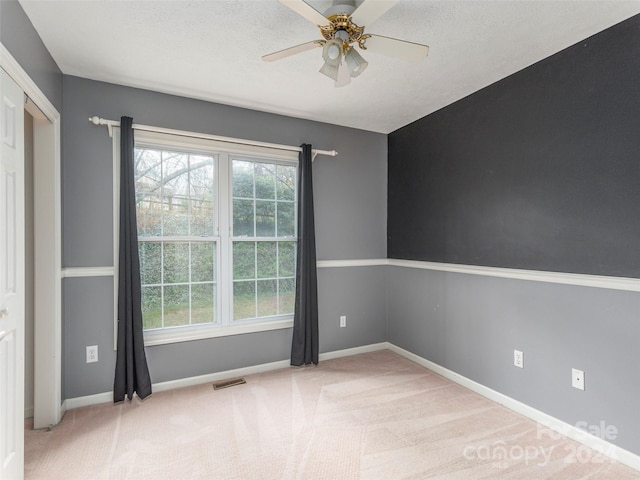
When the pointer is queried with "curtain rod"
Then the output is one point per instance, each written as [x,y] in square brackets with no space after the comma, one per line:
[113,123]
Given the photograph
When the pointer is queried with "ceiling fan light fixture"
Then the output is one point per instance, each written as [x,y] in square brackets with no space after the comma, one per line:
[355,62]
[332,52]
[343,78]
[342,28]
[330,70]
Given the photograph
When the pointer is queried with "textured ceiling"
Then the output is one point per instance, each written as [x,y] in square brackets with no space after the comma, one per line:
[212,50]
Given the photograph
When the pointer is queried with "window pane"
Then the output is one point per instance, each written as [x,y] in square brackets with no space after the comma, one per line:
[265,181]
[148,177]
[287,295]
[244,300]
[242,179]
[202,219]
[265,219]
[286,259]
[202,184]
[203,257]
[176,197]
[243,218]
[176,305]
[175,193]
[286,219]
[176,262]
[267,260]
[202,303]
[286,182]
[244,260]
[149,219]
[151,307]
[267,298]
[150,259]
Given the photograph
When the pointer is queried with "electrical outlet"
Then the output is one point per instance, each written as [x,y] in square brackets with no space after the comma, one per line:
[518,358]
[343,321]
[92,354]
[577,379]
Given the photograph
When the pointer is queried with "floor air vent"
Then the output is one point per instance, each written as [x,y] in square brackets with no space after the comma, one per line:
[232,382]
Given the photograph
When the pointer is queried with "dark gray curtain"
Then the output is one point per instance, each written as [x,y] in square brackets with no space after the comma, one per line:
[304,348]
[132,373]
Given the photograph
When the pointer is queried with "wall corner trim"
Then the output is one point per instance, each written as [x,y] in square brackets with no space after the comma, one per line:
[547,421]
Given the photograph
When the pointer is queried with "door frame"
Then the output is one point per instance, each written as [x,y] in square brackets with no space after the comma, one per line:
[48,405]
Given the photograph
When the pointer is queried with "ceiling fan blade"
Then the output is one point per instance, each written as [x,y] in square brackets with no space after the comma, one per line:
[370,11]
[287,52]
[344,77]
[392,47]
[307,11]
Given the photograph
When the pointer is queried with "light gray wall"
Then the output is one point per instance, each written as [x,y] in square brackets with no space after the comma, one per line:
[23,42]
[350,201]
[471,325]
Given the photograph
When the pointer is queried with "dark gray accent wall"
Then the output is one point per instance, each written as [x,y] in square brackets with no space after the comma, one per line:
[471,325]
[538,171]
[23,42]
[350,203]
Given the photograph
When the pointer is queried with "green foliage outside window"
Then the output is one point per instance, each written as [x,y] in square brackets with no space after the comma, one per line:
[176,197]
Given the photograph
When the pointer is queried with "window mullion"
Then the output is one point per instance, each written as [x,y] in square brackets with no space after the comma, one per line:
[225,257]
[162,284]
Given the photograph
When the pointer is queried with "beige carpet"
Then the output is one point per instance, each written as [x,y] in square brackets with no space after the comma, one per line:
[370,416]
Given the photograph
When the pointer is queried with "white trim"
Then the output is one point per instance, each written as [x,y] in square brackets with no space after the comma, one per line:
[347,352]
[48,224]
[87,400]
[600,445]
[107,397]
[15,71]
[597,281]
[115,229]
[81,272]
[366,262]
[582,280]
[146,128]
[198,143]
[186,335]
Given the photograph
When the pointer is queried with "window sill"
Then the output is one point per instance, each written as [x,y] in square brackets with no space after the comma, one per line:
[187,335]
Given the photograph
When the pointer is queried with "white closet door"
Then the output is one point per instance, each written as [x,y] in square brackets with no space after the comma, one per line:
[12,295]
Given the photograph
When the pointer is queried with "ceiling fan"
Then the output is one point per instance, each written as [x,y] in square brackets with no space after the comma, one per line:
[342,27]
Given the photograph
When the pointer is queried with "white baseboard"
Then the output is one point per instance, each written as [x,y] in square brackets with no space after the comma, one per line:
[107,397]
[598,444]
[86,401]
[374,347]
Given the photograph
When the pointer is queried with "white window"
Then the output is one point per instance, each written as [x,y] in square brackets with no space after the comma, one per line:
[216,235]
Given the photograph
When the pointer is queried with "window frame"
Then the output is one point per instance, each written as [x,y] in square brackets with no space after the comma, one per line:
[223,153]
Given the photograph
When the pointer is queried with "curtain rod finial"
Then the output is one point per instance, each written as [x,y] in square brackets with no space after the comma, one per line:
[101,121]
